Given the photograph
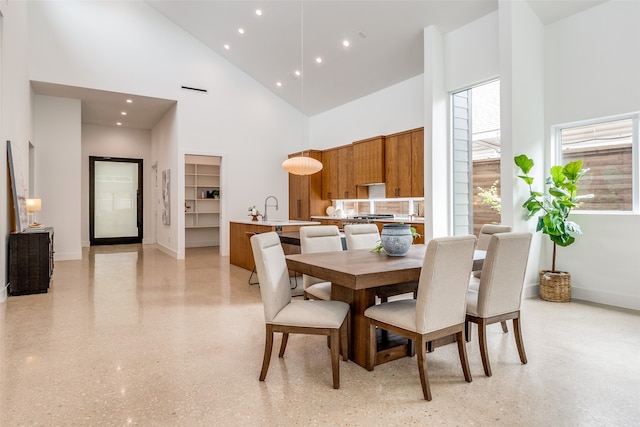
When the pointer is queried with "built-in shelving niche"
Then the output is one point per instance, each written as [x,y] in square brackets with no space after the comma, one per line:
[202,200]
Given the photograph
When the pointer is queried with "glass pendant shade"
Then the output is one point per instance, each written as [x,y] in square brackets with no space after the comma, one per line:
[301,165]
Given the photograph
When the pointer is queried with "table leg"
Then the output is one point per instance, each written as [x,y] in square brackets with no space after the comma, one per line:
[359,301]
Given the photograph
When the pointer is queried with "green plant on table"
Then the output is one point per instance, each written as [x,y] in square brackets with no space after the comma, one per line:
[554,204]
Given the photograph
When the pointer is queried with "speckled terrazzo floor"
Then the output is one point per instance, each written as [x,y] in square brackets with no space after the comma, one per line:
[130,336]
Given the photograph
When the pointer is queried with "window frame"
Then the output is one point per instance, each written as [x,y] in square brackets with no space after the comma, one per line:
[557,158]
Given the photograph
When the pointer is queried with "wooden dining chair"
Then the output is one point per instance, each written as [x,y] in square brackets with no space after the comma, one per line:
[499,293]
[281,314]
[318,238]
[438,311]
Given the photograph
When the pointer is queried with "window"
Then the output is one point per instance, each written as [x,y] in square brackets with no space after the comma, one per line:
[608,148]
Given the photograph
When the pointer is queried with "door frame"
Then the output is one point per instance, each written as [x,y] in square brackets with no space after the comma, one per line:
[93,241]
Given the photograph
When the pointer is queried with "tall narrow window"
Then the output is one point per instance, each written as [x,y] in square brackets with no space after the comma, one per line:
[476,157]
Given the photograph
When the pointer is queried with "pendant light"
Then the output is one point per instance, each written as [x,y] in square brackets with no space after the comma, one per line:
[302,165]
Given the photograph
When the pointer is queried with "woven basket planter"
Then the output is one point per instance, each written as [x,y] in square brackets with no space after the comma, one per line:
[555,286]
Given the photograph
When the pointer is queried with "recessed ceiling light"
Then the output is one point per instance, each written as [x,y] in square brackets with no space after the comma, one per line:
[226,46]
[346,43]
[124,113]
[297,73]
[319,60]
[119,124]
[279,84]
[129,101]
[258,12]
[241,30]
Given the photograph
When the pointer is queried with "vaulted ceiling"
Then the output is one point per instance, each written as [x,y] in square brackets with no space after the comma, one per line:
[385,46]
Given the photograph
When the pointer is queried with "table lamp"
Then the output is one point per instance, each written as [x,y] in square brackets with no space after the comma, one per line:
[33,206]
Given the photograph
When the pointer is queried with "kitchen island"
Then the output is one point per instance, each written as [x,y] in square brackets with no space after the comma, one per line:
[241,231]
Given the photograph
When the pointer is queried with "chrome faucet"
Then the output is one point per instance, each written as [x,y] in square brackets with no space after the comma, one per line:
[264,215]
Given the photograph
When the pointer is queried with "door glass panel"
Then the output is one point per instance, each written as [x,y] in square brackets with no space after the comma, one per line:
[116,186]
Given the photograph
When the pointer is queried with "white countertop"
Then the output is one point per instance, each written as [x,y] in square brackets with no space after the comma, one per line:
[276,222]
[396,219]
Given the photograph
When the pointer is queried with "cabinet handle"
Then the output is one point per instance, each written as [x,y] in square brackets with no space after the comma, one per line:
[298,206]
[346,194]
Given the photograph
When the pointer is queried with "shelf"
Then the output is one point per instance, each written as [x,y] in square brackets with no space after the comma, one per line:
[202,218]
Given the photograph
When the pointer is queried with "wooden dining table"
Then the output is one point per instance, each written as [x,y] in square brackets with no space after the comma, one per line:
[355,276]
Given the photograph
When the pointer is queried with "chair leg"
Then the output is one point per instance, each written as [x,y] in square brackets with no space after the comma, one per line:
[283,344]
[518,334]
[462,351]
[344,338]
[482,341]
[268,345]
[422,369]
[335,357]
[467,331]
[373,347]
[504,326]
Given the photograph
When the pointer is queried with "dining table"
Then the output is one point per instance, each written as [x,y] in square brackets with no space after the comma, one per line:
[355,276]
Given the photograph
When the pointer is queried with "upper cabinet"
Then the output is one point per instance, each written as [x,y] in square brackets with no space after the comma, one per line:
[305,197]
[369,161]
[404,164]
[338,174]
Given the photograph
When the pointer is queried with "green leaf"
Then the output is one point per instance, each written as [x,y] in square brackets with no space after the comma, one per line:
[559,192]
[557,175]
[527,179]
[524,163]
[572,170]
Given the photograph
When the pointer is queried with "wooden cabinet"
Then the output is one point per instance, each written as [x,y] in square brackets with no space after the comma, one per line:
[330,174]
[30,261]
[369,161]
[202,200]
[336,222]
[404,164]
[305,198]
[338,174]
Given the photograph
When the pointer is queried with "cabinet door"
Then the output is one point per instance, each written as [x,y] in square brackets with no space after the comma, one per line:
[299,197]
[330,174]
[417,163]
[346,184]
[398,165]
[368,161]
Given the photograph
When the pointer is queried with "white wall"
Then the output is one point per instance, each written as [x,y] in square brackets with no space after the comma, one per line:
[592,69]
[74,43]
[15,109]
[109,141]
[393,109]
[57,141]
[471,53]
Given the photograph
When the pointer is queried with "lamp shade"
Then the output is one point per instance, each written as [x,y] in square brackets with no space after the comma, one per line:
[33,205]
[300,165]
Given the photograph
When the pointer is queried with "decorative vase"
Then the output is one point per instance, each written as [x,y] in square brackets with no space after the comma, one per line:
[396,239]
[555,286]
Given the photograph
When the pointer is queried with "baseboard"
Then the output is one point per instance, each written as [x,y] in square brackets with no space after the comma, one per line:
[167,250]
[4,292]
[599,297]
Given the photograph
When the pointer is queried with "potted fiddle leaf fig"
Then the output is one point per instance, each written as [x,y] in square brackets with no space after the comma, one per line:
[552,207]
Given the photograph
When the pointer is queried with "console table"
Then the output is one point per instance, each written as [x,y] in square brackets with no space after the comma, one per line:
[30,261]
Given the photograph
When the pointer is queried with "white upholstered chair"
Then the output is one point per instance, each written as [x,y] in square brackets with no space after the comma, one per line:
[487,230]
[318,238]
[361,236]
[330,318]
[440,308]
[499,292]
